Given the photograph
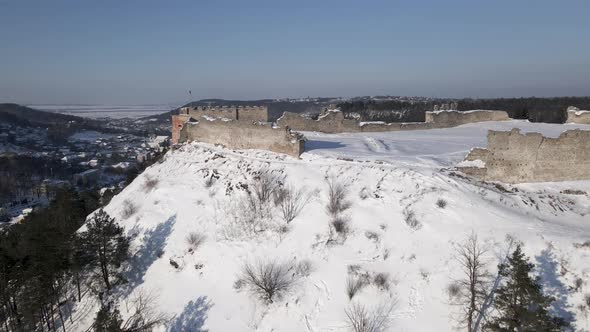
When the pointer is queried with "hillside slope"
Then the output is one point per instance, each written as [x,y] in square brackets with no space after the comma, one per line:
[22,115]
[201,292]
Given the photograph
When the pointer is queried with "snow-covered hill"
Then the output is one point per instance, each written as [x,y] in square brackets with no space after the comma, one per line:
[387,184]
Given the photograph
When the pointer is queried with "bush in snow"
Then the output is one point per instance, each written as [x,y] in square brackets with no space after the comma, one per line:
[129,209]
[354,284]
[267,280]
[210,181]
[381,280]
[339,226]
[337,198]
[587,299]
[264,186]
[291,201]
[373,236]
[150,183]
[304,268]
[411,220]
[441,203]
[364,193]
[361,319]
[454,290]
[195,240]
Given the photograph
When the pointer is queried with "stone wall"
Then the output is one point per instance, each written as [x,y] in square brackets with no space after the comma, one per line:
[242,113]
[444,119]
[331,122]
[178,122]
[575,115]
[243,135]
[334,121]
[513,157]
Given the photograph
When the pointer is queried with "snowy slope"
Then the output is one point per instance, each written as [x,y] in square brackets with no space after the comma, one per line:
[420,262]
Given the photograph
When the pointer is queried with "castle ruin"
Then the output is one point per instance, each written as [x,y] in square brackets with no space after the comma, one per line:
[333,121]
[225,113]
[513,157]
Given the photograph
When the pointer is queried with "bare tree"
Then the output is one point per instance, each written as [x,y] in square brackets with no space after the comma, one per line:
[292,201]
[378,319]
[144,317]
[473,282]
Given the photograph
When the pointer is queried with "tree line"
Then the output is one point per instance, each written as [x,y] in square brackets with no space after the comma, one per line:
[533,108]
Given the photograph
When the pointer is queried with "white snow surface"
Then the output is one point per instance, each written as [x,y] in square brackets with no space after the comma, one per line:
[419,262]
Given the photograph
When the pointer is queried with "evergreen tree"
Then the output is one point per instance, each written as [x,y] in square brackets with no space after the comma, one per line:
[107,243]
[108,319]
[520,301]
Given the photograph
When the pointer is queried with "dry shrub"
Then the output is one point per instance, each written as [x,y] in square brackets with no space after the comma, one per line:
[354,284]
[195,240]
[268,280]
[291,201]
[411,220]
[150,183]
[373,236]
[304,268]
[381,280]
[337,198]
[361,319]
[454,290]
[265,185]
[129,209]
[441,203]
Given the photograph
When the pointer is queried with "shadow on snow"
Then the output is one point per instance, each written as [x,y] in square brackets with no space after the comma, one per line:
[153,243]
[192,317]
[547,266]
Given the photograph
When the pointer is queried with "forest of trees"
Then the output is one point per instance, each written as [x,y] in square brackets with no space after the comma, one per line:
[535,109]
[44,262]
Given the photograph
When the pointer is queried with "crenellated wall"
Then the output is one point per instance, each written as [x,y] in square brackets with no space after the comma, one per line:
[334,121]
[243,135]
[241,113]
[513,157]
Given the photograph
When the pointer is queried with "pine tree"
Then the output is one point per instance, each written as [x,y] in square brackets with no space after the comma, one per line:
[108,319]
[520,301]
[106,241]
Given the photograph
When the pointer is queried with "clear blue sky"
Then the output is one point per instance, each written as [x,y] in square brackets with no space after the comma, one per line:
[142,52]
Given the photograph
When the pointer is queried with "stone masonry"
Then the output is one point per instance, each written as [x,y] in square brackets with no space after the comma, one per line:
[334,121]
[575,115]
[235,113]
[234,134]
[513,157]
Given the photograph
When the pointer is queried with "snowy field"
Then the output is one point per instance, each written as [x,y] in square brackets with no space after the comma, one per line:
[106,111]
[422,148]
[201,188]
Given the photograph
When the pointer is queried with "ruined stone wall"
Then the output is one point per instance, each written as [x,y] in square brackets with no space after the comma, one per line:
[575,115]
[242,113]
[331,122]
[513,157]
[334,121]
[445,119]
[178,122]
[243,135]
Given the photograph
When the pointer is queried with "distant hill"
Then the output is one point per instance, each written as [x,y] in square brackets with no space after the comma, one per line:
[26,116]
